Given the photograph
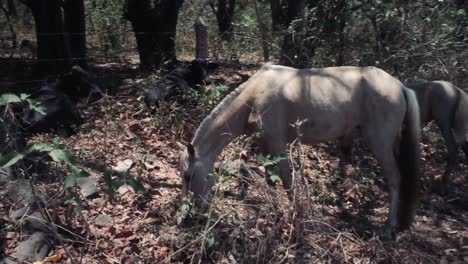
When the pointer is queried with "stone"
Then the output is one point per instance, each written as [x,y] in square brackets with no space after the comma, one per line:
[35,248]
[88,187]
[31,219]
[20,191]
[101,220]
[5,176]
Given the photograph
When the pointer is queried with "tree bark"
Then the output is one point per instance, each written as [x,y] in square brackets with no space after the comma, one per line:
[60,34]
[224,12]
[263,33]
[53,56]
[138,12]
[11,27]
[164,43]
[155,26]
[292,51]
[201,37]
[278,15]
[75,24]
[339,14]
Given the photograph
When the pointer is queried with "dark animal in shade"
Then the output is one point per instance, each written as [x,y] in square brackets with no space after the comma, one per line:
[59,101]
[446,105]
[179,81]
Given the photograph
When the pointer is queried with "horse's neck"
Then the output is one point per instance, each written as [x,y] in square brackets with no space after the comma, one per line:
[225,127]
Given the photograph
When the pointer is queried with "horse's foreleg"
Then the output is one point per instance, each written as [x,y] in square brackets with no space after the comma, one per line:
[465,149]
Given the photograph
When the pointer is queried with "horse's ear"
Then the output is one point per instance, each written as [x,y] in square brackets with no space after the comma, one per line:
[191,150]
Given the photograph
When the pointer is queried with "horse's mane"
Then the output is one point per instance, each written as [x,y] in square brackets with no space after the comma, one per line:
[223,104]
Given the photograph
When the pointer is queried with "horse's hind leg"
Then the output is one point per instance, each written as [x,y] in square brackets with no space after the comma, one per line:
[383,148]
[345,145]
[465,149]
[451,152]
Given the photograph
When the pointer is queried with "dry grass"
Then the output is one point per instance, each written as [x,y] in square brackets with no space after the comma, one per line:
[336,215]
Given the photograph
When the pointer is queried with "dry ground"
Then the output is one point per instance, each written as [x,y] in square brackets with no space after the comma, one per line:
[337,216]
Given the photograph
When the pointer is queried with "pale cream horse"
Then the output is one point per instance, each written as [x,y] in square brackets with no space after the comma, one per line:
[332,102]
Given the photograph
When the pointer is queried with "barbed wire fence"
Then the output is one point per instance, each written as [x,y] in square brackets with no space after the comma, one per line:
[245,44]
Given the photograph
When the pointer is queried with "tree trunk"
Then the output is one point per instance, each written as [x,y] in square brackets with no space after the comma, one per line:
[60,34]
[165,29]
[138,13]
[155,26]
[340,15]
[224,12]
[293,51]
[201,38]
[53,53]
[263,33]
[75,23]
[11,27]
[12,8]
[278,16]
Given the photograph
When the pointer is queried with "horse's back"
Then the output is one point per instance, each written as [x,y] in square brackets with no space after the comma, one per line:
[437,100]
[333,100]
[460,121]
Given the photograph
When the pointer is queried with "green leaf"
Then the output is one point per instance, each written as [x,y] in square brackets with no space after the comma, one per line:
[9,98]
[70,181]
[24,96]
[10,159]
[108,182]
[136,185]
[275,178]
[59,155]
[38,108]
[78,208]
[79,172]
[40,146]
[183,212]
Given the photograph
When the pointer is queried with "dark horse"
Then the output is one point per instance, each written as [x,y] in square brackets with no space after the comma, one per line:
[179,81]
[332,102]
[59,99]
[446,105]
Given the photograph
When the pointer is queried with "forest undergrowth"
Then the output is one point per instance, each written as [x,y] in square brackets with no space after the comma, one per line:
[336,216]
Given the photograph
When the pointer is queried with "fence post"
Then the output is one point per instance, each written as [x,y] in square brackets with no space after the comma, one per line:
[201,36]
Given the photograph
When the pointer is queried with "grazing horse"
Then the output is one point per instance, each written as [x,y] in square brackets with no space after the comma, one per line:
[332,102]
[447,105]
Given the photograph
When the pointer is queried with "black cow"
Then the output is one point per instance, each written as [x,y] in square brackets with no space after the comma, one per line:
[59,101]
[179,81]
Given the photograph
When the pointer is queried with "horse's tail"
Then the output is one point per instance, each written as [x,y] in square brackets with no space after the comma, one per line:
[455,107]
[408,160]
[459,122]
